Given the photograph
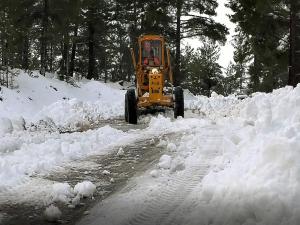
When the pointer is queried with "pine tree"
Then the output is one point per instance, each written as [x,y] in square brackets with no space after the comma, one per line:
[265,26]
[203,73]
[195,19]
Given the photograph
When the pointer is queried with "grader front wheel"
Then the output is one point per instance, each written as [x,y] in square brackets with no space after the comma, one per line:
[131,107]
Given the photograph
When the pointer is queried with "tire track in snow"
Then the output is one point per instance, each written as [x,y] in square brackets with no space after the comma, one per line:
[165,208]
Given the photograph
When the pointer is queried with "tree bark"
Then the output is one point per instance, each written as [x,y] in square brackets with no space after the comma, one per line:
[51,58]
[177,74]
[65,54]
[294,54]
[73,53]
[44,38]
[91,44]
[25,52]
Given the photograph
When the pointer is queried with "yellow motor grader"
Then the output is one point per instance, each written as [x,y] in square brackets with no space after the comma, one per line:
[154,80]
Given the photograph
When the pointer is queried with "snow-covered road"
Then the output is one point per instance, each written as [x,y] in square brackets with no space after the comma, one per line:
[160,198]
[108,160]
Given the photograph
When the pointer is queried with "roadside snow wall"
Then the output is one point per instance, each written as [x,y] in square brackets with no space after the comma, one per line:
[257,178]
[50,100]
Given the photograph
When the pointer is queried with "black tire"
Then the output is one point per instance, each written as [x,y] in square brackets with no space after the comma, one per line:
[178,102]
[126,108]
[131,106]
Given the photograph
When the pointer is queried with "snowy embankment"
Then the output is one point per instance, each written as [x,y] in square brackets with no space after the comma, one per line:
[25,154]
[46,101]
[244,162]
[32,116]
[256,179]
[214,107]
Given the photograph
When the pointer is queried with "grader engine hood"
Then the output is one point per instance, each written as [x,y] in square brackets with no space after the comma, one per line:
[155,85]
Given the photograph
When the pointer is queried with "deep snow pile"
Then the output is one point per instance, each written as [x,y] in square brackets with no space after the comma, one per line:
[214,107]
[256,179]
[48,99]
[25,154]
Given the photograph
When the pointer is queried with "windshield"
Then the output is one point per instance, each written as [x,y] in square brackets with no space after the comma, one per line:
[151,53]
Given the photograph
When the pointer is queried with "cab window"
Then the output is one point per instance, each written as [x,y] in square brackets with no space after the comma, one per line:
[151,53]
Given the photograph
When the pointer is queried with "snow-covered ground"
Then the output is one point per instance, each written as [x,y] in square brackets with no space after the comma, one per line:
[41,99]
[235,162]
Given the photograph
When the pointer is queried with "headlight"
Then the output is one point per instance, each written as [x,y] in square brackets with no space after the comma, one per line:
[154,71]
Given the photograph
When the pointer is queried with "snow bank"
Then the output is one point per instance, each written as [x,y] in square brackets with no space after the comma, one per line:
[38,98]
[214,107]
[38,154]
[256,179]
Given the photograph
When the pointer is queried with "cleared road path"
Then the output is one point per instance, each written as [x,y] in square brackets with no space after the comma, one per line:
[146,200]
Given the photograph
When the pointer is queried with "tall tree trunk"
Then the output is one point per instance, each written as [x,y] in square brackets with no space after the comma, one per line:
[256,74]
[294,56]
[292,40]
[73,53]
[44,37]
[105,66]
[25,52]
[91,44]
[65,55]
[3,58]
[51,58]
[177,74]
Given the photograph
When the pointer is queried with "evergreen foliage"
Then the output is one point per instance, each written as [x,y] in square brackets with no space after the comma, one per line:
[265,27]
[92,38]
[203,73]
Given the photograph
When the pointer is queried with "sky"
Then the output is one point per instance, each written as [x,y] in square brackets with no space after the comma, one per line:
[222,17]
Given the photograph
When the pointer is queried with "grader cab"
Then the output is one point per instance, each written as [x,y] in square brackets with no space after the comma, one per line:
[154,80]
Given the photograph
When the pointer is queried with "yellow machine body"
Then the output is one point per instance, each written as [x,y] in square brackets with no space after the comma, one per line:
[152,67]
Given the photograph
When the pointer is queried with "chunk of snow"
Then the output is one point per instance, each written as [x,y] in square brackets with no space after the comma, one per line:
[105,172]
[5,126]
[171,147]
[76,200]
[162,143]
[152,141]
[85,189]
[18,124]
[120,152]
[178,164]
[62,192]
[165,162]
[154,173]
[52,213]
